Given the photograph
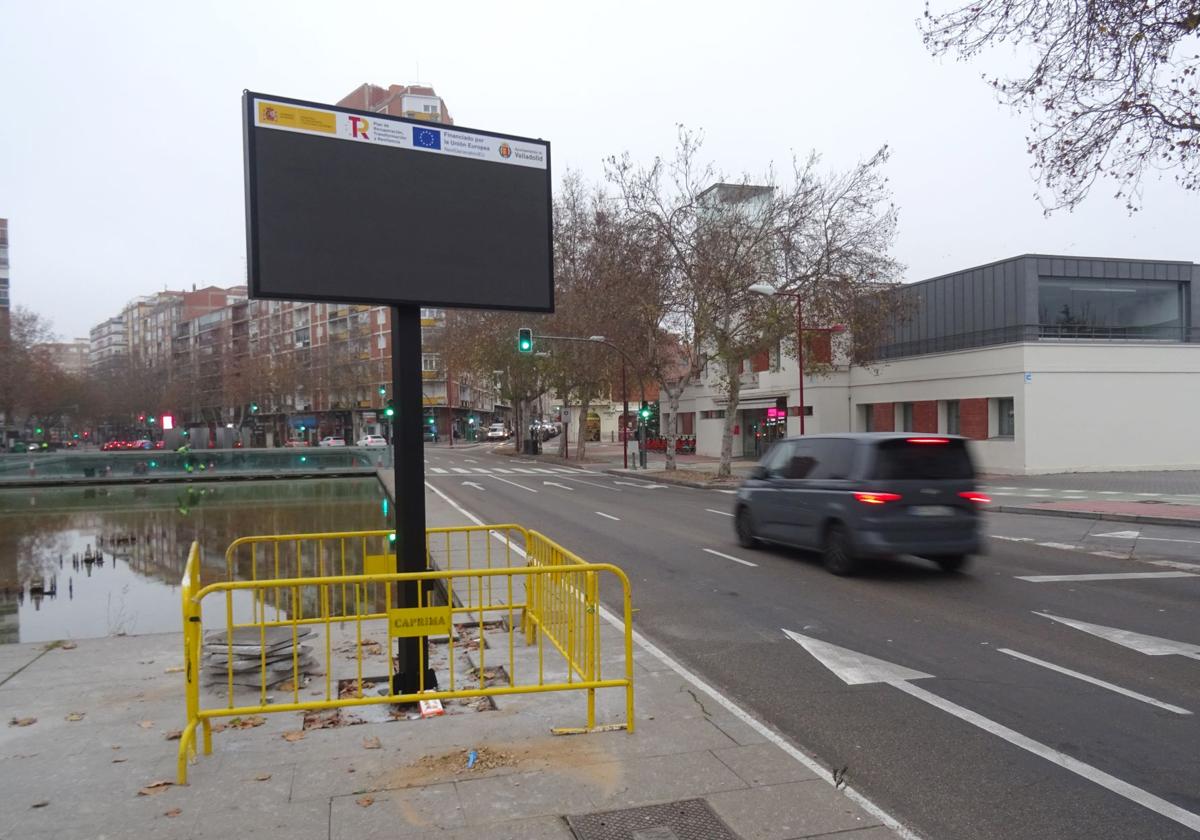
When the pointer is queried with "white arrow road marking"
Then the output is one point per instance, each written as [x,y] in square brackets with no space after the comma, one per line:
[720,512]
[1103,576]
[731,557]
[644,486]
[607,516]
[1116,688]
[1134,535]
[861,669]
[514,484]
[474,484]
[1149,645]
[556,484]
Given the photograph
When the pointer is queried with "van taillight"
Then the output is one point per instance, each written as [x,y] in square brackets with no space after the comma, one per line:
[877,498]
[973,496]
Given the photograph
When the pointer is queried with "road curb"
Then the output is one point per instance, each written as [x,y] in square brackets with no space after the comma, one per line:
[1091,514]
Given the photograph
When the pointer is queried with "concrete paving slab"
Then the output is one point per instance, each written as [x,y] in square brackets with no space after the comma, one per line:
[539,828]
[763,764]
[660,778]
[293,821]
[522,795]
[398,813]
[784,812]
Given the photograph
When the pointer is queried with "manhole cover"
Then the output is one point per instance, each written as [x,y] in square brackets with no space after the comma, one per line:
[689,819]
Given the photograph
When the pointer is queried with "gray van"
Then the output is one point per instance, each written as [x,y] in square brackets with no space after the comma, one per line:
[856,496]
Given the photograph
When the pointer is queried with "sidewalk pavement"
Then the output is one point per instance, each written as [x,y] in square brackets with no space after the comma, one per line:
[104,709]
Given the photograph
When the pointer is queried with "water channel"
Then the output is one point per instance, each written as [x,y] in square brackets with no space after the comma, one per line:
[48,591]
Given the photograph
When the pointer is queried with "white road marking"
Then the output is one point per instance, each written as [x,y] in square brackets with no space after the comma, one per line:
[1149,495]
[1040,489]
[862,668]
[730,492]
[523,471]
[438,470]
[733,708]
[1134,535]
[607,516]
[514,484]
[1149,645]
[461,471]
[1067,546]
[474,484]
[556,484]
[505,472]
[543,471]
[1104,576]
[1175,564]
[589,483]
[643,486]
[1116,688]
[1116,555]
[1003,488]
[483,471]
[1109,492]
[721,512]
[470,460]
[730,557]
[1011,539]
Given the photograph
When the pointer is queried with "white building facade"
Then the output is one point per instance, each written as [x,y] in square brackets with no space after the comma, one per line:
[1048,364]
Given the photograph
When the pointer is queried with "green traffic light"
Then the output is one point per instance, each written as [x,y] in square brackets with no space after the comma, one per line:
[76,436]
[38,430]
[151,419]
[382,390]
[392,537]
[153,464]
[524,340]
[253,407]
[303,459]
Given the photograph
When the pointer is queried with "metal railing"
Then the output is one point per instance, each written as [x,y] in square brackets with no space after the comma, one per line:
[336,593]
[1037,332]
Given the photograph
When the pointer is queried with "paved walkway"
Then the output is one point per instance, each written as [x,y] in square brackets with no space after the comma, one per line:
[103,711]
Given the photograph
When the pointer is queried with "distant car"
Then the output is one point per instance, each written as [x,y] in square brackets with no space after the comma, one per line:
[370,440]
[297,442]
[144,443]
[497,431]
[430,434]
[857,496]
[332,441]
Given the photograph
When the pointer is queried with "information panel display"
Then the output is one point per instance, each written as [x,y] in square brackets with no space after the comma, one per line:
[346,205]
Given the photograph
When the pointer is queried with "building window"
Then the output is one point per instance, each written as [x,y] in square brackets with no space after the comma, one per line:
[1005,421]
[906,417]
[952,417]
[1083,308]
[713,414]
[429,361]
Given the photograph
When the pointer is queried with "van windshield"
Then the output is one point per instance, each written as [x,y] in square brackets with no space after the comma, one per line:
[901,459]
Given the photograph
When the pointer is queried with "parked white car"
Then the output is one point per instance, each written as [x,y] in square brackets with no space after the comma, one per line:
[371,440]
[332,441]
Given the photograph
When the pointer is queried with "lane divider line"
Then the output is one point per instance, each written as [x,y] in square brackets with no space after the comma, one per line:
[607,516]
[720,512]
[513,483]
[1104,576]
[1087,679]
[730,557]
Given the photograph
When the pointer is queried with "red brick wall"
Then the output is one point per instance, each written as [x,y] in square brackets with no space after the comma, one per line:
[760,361]
[973,418]
[925,416]
[883,417]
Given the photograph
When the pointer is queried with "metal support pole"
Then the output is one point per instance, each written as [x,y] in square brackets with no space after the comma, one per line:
[800,358]
[624,416]
[409,470]
[449,409]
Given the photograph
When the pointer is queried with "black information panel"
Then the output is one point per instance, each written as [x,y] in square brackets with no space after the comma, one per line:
[345,205]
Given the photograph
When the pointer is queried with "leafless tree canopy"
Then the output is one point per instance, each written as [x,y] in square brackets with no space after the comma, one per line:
[1113,92]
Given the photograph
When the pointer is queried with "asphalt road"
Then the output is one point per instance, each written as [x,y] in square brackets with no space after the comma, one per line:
[991,742]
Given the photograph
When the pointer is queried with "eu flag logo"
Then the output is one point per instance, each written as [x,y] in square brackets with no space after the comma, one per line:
[427,138]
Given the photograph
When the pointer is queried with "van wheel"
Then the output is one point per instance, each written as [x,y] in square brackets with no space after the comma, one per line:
[951,562]
[744,525]
[837,555]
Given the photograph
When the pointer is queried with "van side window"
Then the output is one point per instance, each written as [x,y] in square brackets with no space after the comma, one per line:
[803,461]
[776,459]
[836,458]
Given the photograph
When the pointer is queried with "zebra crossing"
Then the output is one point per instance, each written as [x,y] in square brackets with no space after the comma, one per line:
[436,471]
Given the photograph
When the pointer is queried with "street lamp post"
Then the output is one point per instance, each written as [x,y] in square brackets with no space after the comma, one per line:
[767,290]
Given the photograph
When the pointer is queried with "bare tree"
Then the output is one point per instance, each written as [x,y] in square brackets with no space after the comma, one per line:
[21,331]
[1114,89]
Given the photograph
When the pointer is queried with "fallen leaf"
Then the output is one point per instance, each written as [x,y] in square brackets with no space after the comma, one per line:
[174,734]
[287,685]
[146,724]
[41,804]
[294,735]
[116,746]
[68,646]
[248,722]
[73,716]
[174,812]
[365,801]
[219,727]
[119,760]
[174,669]
[262,777]
[372,743]
[30,721]
[155,787]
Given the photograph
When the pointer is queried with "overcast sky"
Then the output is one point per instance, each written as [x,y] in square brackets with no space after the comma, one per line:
[121,155]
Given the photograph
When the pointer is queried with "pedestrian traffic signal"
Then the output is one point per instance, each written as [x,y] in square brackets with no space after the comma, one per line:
[645,411]
[524,340]
[382,390]
[253,408]
[389,410]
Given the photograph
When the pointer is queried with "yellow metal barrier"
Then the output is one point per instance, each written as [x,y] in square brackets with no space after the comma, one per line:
[479,580]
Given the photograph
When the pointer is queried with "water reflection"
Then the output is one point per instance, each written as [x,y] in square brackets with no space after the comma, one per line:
[137,538]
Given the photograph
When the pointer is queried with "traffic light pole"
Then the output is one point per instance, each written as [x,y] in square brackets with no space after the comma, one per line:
[408,448]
